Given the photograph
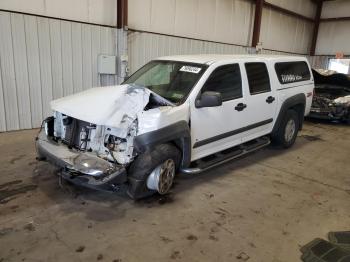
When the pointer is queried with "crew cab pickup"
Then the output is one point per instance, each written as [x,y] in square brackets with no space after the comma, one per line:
[187,113]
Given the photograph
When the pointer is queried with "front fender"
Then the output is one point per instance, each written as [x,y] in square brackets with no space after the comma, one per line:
[178,133]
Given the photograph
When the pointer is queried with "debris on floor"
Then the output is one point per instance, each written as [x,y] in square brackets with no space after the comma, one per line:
[243,256]
[337,249]
[80,249]
[30,226]
[342,239]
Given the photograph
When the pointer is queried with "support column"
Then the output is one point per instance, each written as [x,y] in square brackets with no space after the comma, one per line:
[122,40]
[257,22]
[316,26]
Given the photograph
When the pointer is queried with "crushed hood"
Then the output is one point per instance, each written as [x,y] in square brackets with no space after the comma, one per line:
[113,106]
[330,78]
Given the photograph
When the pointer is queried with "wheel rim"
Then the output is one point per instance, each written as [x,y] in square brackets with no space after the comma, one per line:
[162,177]
[289,130]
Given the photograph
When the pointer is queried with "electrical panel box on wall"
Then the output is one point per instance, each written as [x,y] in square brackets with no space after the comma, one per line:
[107,64]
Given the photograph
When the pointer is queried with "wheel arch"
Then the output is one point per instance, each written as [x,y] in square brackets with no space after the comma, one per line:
[177,134]
[297,103]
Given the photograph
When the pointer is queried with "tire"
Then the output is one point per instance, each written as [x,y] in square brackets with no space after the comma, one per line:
[288,130]
[148,163]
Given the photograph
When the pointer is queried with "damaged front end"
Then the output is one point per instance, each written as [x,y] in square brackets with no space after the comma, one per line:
[90,136]
[86,154]
[331,100]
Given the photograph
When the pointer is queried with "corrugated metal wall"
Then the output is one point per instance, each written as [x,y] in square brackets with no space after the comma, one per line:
[227,21]
[320,62]
[334,36]
[142,47]
[304,7]
[216,20]
[43,59]
[285,33]
[92,11]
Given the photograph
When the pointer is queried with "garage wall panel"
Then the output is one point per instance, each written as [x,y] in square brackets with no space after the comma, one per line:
[91,11]
[285,33]
[56,58]
[339,8]
[21,71]
[143,47]
[227,21]
[333,37]
[33,60]
[43,59]
[2,106]
[87,60]
[303,7]
[44,47]
[67,58]
[8,72]
[95,50]
[77,57]
[215,20]
[186,24]
[163,15]
[320,62]
[206,19]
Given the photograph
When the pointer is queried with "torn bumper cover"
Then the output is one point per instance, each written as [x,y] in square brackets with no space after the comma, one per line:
[81,168]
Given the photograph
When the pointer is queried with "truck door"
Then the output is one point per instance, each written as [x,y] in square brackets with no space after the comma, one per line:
[216,128]
[261,100]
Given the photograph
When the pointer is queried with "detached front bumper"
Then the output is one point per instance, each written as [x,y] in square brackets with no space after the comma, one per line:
[81,168]
[335,113]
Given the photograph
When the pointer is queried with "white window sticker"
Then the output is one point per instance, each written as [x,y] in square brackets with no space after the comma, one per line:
[190,69]
[291,78]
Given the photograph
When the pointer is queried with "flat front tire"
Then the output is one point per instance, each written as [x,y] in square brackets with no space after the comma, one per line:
[153,171]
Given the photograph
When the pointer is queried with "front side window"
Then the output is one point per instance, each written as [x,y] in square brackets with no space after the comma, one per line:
[258,78]
[225,80]
[291,72]
[170,79]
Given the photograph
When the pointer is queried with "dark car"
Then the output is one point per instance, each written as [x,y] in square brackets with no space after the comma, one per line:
[331,99]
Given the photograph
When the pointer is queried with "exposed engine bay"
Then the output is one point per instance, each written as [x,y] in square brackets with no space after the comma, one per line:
[332,96]
[88,137]
[113,140]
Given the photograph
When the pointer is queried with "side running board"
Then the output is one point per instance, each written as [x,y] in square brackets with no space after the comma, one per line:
[224,156]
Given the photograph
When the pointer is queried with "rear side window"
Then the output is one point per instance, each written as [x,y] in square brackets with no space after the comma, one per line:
[225,80]
[258,78]
[291,72]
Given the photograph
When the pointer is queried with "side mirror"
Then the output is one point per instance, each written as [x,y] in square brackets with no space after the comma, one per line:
[209,99]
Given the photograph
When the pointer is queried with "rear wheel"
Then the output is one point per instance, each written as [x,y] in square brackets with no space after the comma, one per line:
[153,171]
[288,130]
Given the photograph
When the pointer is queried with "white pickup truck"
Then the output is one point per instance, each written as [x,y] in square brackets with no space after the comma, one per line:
[186,113]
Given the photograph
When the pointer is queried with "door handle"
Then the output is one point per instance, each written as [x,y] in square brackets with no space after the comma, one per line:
[270,99]
[240,106]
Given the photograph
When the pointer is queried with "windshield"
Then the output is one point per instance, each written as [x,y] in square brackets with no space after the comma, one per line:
[169,79]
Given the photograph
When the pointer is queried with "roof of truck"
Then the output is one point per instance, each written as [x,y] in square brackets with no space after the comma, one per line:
[212,58]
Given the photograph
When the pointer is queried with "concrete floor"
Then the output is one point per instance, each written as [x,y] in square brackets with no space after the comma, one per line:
[260,208]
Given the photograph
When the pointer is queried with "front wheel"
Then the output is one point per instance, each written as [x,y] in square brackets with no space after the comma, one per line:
[153,171]
[288,130]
